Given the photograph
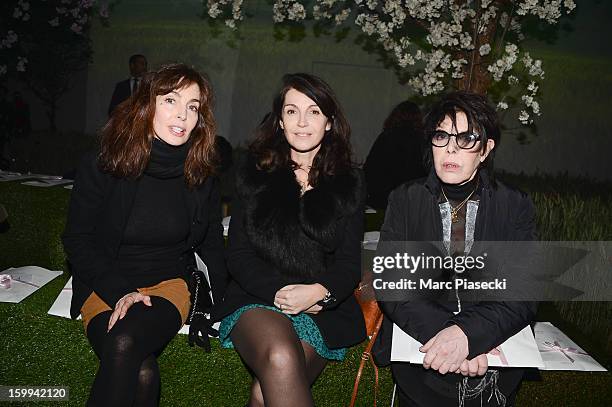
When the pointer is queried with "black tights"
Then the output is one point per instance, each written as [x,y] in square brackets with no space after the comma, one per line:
[284,367]
[128,374]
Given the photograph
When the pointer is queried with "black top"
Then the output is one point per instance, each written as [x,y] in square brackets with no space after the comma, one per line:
[99,218]
[278,237]
[155,234]
[457,193]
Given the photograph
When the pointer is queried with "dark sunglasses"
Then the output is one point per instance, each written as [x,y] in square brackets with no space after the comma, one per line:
[465,140]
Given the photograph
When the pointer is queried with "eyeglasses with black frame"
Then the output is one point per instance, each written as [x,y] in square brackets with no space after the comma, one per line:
[465,140]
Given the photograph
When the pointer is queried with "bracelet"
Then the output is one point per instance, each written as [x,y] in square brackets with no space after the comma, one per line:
[327,299]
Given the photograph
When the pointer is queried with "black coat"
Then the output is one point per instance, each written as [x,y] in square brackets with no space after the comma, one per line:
[100,205]
[277,238]
[122,92]
[413,214]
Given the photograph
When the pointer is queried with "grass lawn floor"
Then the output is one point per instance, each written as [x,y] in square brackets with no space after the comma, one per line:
[39,349]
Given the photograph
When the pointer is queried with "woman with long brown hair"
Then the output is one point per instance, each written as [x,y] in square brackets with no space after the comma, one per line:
[139,210]
[294,246]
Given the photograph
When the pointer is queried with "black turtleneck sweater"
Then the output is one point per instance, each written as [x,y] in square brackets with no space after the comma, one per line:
[158,225]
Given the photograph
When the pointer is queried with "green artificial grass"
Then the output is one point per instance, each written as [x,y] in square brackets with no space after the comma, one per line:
[39,349]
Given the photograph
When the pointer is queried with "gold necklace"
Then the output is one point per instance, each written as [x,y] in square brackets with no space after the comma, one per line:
[303,187]
[303,184]
[455,210]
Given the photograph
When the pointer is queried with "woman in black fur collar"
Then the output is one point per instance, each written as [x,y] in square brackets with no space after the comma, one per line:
[294,246]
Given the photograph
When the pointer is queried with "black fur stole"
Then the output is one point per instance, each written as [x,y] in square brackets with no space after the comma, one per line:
[295,233]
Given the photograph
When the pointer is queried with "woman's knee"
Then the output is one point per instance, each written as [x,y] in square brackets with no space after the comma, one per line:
[149,372]
[121,345]
[284,356]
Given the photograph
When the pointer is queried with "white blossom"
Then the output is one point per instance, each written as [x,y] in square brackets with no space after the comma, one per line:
[502,105]
[484,49]
[458,68]
[54,22]
[458,33]
[103,12]
[3,70]
[342,16]
[505,63]
[76,28]
[21,63]
[11,38]
[533,87]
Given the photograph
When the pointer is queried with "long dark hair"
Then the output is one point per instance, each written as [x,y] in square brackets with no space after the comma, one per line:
[125,142]
[481,117]
[270,148]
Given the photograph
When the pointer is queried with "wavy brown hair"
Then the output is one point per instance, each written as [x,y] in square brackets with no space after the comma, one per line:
[125,142]
[270,148]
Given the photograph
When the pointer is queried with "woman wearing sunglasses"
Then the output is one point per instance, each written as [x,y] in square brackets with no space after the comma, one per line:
[458,203]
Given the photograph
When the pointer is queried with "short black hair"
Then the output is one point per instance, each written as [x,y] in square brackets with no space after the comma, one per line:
[481,116]
[134,57]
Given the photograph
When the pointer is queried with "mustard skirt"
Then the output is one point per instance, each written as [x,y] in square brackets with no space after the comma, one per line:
[174,290]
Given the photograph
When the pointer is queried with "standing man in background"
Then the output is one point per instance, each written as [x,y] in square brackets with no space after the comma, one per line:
[124,89]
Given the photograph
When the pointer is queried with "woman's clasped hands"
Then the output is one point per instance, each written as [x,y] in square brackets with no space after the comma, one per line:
[295,298]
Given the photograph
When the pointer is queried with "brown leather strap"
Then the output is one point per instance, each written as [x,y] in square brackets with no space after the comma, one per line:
[367,355]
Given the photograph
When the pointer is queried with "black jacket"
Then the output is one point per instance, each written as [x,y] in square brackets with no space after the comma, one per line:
[413,214]
[277,238]
[122,92]
[99,209]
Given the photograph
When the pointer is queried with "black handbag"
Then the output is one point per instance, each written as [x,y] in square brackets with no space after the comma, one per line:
[199,319]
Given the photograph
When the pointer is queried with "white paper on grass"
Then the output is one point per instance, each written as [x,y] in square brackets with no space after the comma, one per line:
[61,305]
[14,176]
[204,269]
[559,352]
[519,350]
[25,281]
[45,183]
[370,240]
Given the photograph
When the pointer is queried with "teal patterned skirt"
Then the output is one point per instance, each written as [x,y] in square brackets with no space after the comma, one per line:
[304,326]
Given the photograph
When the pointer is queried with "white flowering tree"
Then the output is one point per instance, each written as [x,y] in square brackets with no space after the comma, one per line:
[438,44]
[43,43]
